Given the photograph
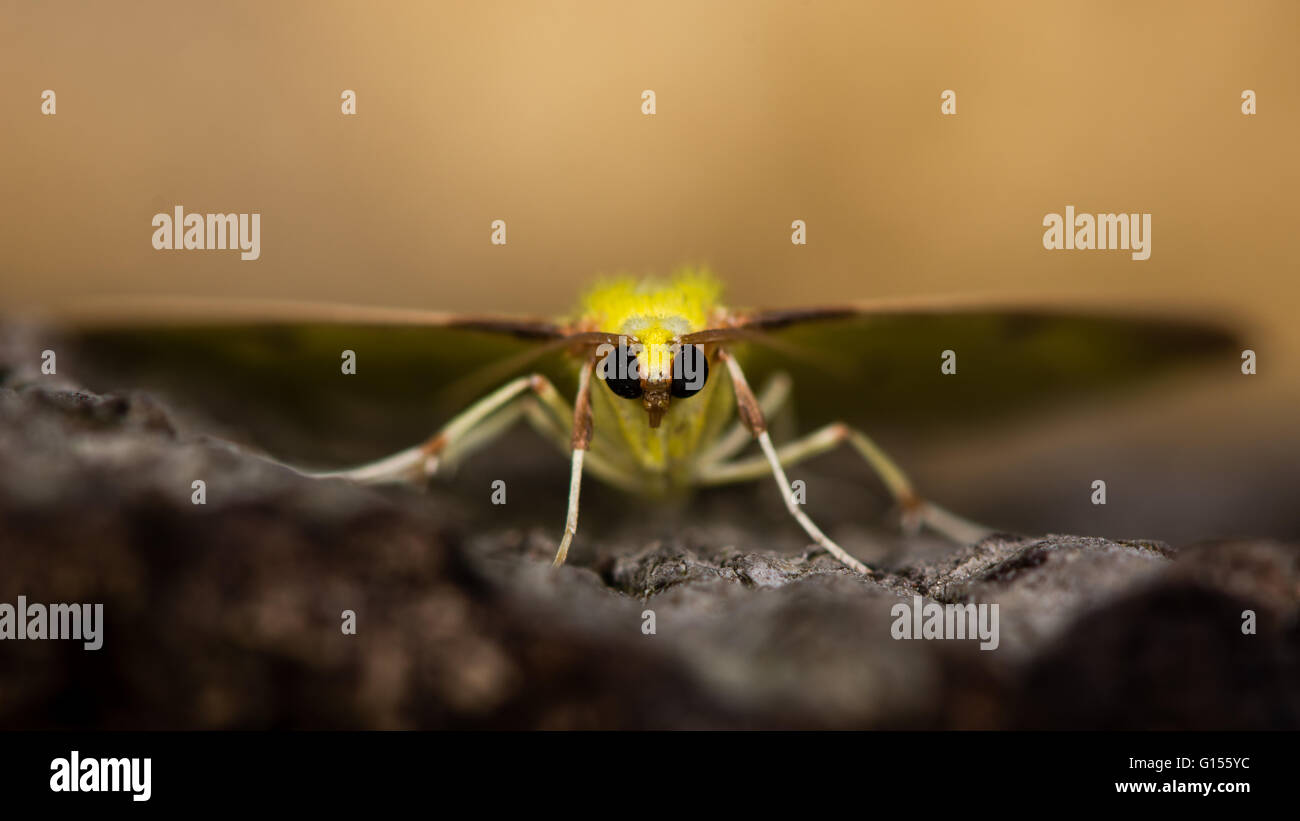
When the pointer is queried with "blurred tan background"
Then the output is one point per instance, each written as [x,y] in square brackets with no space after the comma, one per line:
[767,112]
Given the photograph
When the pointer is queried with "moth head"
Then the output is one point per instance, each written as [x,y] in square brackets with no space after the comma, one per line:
[654,373]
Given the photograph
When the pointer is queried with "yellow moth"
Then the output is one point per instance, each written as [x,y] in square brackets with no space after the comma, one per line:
[653,386]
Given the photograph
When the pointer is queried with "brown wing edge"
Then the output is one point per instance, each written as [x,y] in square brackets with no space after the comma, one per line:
[119,312]
[1213,319]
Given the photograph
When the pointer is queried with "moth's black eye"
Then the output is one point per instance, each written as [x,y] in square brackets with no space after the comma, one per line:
[621,372]
[690,371]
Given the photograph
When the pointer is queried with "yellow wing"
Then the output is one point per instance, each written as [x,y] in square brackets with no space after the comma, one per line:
[271,372]
[879,364]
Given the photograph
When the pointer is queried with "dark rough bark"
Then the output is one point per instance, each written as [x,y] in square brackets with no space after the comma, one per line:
[227,615]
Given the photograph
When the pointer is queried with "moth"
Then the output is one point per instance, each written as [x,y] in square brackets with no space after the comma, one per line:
[653,386]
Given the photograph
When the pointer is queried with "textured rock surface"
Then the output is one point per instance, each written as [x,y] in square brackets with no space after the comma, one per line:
[227,615]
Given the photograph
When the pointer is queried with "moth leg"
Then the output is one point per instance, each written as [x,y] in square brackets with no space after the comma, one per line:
[543,420]
[752,416]
[744,470]
[484,434]
[578,442]
[771,398]
[916,511]
[462,433]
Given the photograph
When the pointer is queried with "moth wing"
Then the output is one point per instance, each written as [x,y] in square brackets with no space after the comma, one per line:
[880,365]
[272,373]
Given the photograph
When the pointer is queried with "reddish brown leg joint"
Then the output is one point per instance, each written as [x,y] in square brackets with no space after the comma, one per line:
[751,415]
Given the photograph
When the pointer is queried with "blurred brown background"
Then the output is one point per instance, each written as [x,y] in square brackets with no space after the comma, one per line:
[767,112]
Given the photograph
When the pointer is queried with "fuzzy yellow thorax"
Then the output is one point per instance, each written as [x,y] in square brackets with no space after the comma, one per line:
[655,311]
